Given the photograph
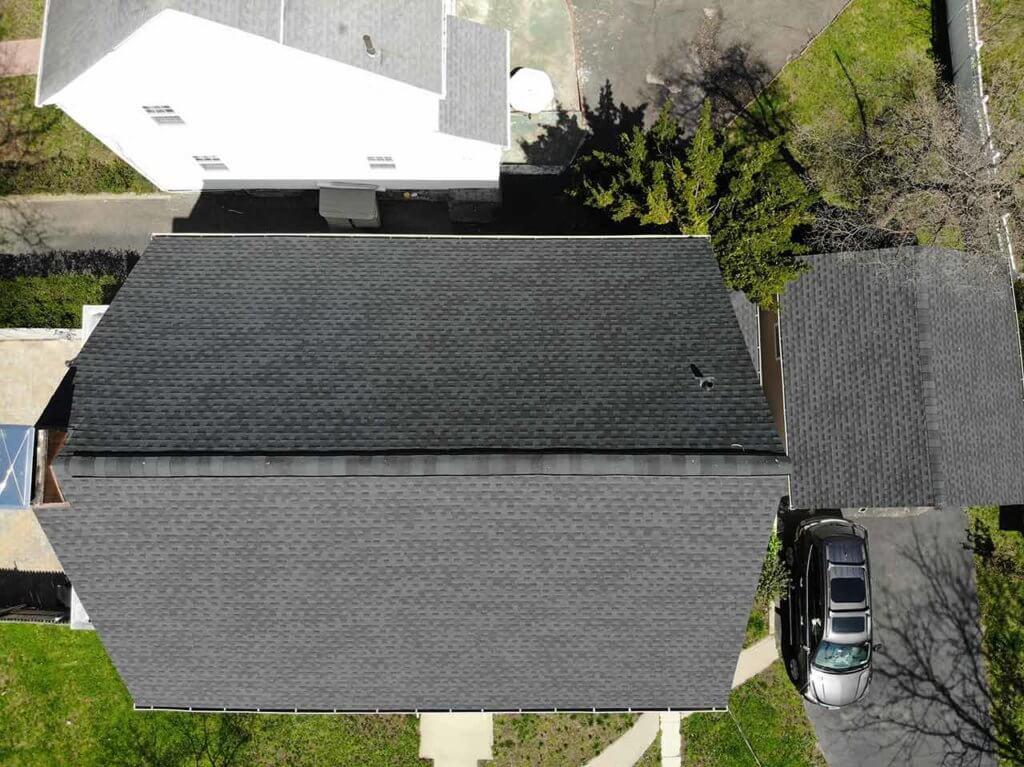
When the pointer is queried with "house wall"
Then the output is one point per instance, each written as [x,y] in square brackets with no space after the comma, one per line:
[278,117]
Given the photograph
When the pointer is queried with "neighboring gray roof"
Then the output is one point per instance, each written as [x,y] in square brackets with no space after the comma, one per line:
[903,383]
[408,34]
[79,33]
[405,593]
[340,344]
[747,314]
[476,100]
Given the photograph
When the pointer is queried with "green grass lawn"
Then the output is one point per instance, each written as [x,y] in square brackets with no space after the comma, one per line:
[855,58]
[553,740]
[1002,64]
[771,714]
[1002,57]
[757,624]
[852,71]
[53,154]
[62,703]
[21,19]
[999,568]
[652,756]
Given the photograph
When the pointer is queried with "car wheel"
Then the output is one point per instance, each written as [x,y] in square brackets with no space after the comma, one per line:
[790,556]
[794,670]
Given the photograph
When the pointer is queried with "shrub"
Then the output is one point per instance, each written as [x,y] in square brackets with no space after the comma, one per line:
[54,301]
[774,574]
[98,263]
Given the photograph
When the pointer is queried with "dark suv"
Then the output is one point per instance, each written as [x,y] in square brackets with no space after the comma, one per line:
[829,611]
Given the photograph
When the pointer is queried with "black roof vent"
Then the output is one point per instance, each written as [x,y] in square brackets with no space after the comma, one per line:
[706,383]
[370,50]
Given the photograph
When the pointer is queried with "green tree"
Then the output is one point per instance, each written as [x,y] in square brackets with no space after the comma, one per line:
[762,206]
[744,196]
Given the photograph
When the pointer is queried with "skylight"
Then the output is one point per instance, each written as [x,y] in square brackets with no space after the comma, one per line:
[16,443]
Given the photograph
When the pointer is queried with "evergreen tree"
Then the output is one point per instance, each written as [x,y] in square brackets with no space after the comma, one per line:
[744,196]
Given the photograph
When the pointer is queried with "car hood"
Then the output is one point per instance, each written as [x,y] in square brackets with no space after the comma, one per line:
[838,689]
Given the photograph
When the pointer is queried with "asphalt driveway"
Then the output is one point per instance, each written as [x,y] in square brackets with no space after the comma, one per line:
[639,45]
[927,702]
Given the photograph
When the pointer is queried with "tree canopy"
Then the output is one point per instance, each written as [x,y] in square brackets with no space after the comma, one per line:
[741,194]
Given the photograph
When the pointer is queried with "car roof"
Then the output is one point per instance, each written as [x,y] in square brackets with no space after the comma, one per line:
[845,550]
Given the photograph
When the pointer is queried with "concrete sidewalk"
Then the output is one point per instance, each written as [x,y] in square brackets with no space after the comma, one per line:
[631,745]
[456,740]
[755,659]
[19,57]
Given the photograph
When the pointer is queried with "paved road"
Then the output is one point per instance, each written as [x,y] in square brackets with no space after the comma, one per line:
[927,700]
[126,221]
[636,44]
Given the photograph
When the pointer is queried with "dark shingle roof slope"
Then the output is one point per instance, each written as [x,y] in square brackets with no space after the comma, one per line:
[404,593]
[375,343]
[409,34]
[750,325]
[903,383]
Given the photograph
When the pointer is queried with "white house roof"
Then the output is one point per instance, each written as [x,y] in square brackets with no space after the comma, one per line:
[408,36]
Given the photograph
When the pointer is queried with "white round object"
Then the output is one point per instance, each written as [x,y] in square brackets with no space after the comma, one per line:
[530,90]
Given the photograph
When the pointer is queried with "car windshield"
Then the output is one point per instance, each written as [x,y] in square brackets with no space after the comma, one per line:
[841,657]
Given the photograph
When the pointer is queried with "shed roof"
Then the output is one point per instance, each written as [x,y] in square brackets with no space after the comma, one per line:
[903,382]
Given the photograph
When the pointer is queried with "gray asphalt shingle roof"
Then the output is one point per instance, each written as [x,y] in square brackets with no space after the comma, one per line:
[80,32]
[375,343]
[476,99]
[903,383]
[406,593]
[408,35]
[228,563]
[750,325]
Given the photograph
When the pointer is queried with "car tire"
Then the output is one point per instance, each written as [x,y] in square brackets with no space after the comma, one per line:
[790,557]
[794,670]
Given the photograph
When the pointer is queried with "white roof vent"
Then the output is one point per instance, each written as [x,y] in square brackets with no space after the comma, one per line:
[530,90]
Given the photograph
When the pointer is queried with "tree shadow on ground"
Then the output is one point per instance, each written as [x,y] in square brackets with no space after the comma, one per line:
[742,88]
[935,695]
[22,131]
[535,197]
[930,701]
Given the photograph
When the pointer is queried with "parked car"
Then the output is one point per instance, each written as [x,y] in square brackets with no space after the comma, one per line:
[829,611]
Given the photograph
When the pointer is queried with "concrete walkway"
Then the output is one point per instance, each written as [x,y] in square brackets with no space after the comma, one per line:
[755,659]
[19,57]
[456,740]
[671,739]
[631,745]
[627,750]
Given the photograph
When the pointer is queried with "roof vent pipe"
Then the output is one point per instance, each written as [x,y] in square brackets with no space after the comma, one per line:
[370,50]
[706,383]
